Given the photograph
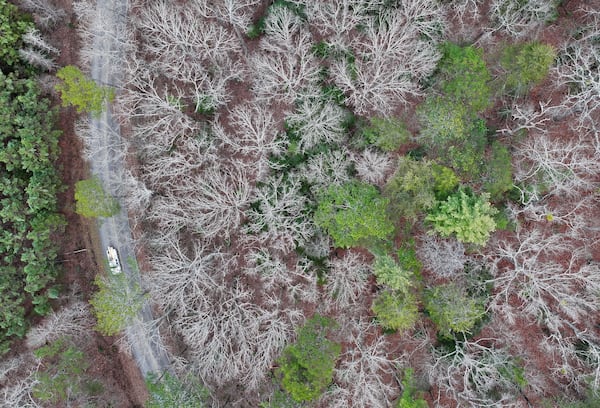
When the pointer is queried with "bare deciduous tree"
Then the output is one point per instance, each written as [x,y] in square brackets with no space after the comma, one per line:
[74,320]
[520,18]
[529,118]
[565,167]
[443,257]
[37,59]
[464,10]
[34,38]
[391,57]
[215,317]
[366,376]
[547,289]
[283,76]
[38,52]
[210,203]
[279,220]
[347,280]
[337,19]
[284,30]
[156,112]
[46,13]
[372,166]
[180,39]
[326,168]
[286,67]
[238,13]
[475,374]
[254,136]
[577,69]
[317,122]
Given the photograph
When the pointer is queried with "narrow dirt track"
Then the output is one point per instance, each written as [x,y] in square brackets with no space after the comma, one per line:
[108,164]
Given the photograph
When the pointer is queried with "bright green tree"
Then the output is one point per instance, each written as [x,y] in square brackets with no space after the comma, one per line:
[353,214]
[470,217]
[526,65]
[464,76]
[453,310]
[396,310]
[92,201]
[172,392]
[453,133]
[389,273]
[407,258]
[443,121]
[306,366]
[416,185]
[83,93]
[445,181]
[115,303]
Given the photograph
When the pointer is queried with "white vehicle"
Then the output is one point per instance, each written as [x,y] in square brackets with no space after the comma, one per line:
[113,261]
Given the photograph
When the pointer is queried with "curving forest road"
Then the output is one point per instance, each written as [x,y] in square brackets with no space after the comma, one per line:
[108,164]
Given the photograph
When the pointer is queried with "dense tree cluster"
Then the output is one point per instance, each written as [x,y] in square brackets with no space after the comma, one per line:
[29,207]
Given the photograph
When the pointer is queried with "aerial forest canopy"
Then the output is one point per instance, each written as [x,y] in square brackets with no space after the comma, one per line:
[392,167]
[356,203]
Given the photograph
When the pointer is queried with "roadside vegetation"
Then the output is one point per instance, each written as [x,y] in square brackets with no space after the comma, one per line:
[29,210]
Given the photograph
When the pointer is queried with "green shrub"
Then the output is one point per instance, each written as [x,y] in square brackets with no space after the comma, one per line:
[389,273]
[410,397]
[171,392]
[411,189]
[388,134]
[443,121]
[92,201]
[503,223]
[469,217]
[591,400]
[498,179]
[115,303]
[467,157]
[464,76]
[322,49]
[453,134]
[81,92]
[526,65]
[13,25]
[353,214]
[257,29]
[514,372]
[63,375]
[332,93]
[280,399]
[306,366]
[396,310]
[445,181]
[407,258]
[453,310]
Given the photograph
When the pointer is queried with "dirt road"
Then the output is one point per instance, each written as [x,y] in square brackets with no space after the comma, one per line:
[107,163]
